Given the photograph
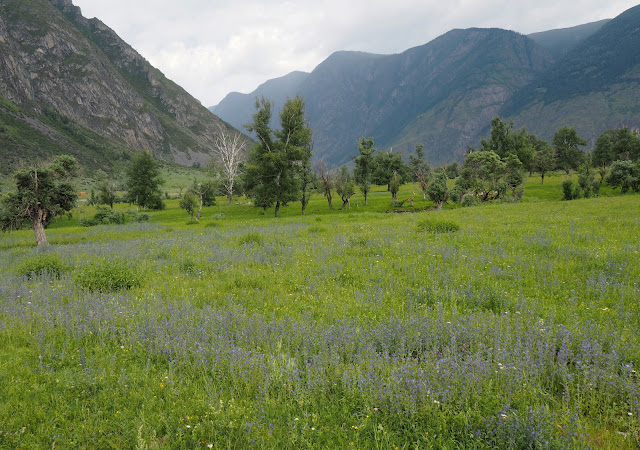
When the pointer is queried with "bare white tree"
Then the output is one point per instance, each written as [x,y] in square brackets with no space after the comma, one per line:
[229,147]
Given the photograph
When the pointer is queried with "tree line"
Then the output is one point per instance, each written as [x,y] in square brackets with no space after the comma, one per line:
[279,170]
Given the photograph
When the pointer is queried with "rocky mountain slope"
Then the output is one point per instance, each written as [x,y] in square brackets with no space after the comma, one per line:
[70,84]
[445,93]
[594,87]
[442,94]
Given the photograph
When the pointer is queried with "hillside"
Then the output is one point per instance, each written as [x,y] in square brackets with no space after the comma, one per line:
[594,87]
[560,41]
[238,108]
[443,93]
[70,84]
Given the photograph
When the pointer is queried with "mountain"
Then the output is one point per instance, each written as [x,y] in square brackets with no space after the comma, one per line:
[443,94]
[238,108]
[593,87]
[560,41]
[70,84]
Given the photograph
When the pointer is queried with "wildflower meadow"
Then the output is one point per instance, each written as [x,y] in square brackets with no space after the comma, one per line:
[497,326]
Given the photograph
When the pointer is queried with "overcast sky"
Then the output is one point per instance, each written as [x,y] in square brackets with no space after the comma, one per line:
[213,47]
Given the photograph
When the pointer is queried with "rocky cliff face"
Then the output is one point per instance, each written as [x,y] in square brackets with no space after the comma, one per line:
[55,59]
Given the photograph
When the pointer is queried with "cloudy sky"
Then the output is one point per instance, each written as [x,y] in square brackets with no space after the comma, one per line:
[213,47]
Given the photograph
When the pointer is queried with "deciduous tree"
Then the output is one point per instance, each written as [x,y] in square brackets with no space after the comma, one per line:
[420,169]
[566,142]
[229,147]
[144,181]
[364,168]
[41,194]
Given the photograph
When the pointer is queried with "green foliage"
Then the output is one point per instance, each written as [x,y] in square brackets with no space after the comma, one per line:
[104,216]
[420,169]
[272,172]
[506,142]
[437,190]
[625,175]
[42,264]
[364,168]
[345,187]
[188,202]
[437,226]
[108,275]
[483,175]
[566,142]
[41,194]
[144,182]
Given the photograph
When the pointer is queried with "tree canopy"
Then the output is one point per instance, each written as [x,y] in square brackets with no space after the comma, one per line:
[41,194]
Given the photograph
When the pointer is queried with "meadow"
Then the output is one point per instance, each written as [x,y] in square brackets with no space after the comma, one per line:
[497,326]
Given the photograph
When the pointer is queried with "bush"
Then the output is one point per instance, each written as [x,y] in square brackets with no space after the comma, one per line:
[251,238]
[108,276]
[104,216]
[43,264]
[470,200]
[438,226]
[138,217]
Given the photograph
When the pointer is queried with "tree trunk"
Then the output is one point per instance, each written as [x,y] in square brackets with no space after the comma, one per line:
[38,228]
[278,209]
[365,199]
[199,209]
[439,206]
[230,197]
[329,198]
[542,176]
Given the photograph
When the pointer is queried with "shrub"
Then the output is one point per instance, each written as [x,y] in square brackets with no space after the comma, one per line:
[43,264]
[470,200]
[104,216]
[108,276]
[251,238]
[138,217]
[437,226]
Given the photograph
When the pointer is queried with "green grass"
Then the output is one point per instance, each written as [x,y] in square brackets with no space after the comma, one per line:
[339,329]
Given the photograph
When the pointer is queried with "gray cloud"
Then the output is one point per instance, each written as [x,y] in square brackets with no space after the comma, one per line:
[211,48]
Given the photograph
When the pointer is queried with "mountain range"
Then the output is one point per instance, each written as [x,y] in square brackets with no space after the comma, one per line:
[70,85]
[445,93]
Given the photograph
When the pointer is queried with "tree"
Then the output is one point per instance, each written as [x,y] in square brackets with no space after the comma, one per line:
[504,141]
[229,147]
[602,155]
[345,186]
[188,202]
[273,167]
[388,167]
[625,175]
[144,181]
[514,176]
[420,169]
[566,142]
[363,170]
[544,161]
[484,174]
[205,193]
[438,191]
[325,177]
[107,192]
[41,194]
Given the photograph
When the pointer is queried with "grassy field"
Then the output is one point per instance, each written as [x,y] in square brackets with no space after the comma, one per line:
[499,326]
